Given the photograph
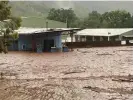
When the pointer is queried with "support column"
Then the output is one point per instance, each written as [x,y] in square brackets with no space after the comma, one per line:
[100,38]
[79,38]
[85,38]
[93,38]
[71,35]
[76,38]
[33,43]
[120,38]
[108,38]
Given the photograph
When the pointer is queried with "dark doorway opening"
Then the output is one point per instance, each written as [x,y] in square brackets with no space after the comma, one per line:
[47,45]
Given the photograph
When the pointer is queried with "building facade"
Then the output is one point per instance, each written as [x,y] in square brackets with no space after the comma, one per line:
[90,35]
[39,40]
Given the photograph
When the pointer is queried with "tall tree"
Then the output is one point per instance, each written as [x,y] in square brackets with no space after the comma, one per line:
[93,20]
[64,15]
[118,19]
[113,19]
[8,24]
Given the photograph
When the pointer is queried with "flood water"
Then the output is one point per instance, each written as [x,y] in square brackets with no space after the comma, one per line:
[84,74]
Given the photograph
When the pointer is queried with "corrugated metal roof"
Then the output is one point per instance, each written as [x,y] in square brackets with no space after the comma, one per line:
[128,35]
[24,30]
[103,32]
[30,30]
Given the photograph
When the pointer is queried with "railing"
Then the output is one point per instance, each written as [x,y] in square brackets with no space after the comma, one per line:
[95,44]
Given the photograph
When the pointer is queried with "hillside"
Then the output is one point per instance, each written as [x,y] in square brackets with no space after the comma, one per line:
[41,22]
[37,11]
[81,8]
[28,8]
[104,6]
[41,8]
[34,14]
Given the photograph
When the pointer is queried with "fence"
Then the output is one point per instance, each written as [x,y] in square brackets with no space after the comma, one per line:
[96,44]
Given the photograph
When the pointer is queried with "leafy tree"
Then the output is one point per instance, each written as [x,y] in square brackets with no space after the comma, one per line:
[131,22]
[78,23]
[8,24]
[64,15]
[93,20]
[118,19]
[113,19]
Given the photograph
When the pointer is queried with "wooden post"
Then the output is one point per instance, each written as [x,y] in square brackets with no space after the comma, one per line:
[71,35]
[46,25]
[78,38]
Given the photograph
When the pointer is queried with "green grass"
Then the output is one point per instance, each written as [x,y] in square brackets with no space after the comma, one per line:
[40,22]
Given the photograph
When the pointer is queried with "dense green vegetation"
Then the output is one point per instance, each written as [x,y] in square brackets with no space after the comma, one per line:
[63,15]
[89,14]
[8,24]
[112,19]
[41,8]
[81,9]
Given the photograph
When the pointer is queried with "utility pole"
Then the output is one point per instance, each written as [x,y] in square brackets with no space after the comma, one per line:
[46,25]
[66,22]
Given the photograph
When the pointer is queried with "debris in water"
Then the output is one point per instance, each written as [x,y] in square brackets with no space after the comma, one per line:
[73,72]
[128,78]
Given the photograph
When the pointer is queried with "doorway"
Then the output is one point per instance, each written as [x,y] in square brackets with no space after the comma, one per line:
[47,45]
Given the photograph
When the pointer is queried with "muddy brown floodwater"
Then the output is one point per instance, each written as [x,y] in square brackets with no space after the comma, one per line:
[84,74]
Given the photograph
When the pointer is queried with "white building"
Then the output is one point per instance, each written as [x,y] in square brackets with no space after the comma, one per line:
[109,34]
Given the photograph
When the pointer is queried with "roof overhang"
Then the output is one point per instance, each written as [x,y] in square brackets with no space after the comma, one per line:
[127,35]
[29,31]
[104,32]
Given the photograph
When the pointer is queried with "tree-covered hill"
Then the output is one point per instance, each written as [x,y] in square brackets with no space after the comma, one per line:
[35,13]
[81,8]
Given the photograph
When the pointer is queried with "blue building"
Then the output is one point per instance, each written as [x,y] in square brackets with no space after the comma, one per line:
[38,39]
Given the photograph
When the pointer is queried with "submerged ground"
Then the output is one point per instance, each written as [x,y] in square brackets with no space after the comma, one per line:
[84,74]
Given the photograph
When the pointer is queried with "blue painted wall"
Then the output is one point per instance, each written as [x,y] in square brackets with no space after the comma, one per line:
[58,41]
[25,41]
[55,36]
